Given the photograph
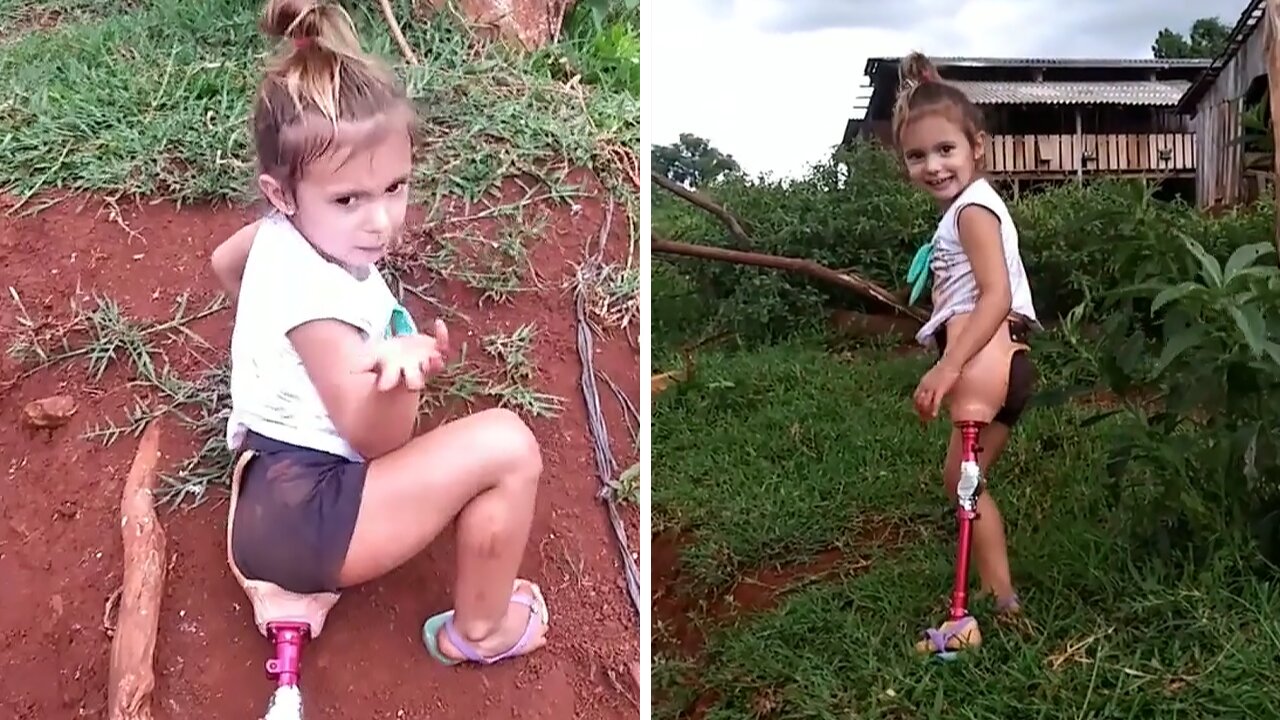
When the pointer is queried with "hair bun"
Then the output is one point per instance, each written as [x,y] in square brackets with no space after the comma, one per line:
[289,18]
[311,22]
[917,69]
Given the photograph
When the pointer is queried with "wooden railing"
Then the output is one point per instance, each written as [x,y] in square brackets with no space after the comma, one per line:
[1047,155]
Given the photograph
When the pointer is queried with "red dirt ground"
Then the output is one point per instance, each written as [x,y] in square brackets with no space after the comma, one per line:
[60,555]
[680,608]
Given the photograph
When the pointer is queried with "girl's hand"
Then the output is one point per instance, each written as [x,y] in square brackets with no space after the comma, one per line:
[408,358]
[933,387]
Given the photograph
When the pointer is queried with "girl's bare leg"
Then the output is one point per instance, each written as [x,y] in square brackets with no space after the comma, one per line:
[481,470]
[990,551]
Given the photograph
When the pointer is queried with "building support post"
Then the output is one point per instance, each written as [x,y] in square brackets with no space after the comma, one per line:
[1273,86]
[1080,145]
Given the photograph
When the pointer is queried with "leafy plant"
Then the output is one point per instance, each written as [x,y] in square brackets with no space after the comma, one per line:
[1189,348]
[601,45]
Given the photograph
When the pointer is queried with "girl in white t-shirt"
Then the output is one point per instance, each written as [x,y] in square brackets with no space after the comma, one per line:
[327,367]
[981,294]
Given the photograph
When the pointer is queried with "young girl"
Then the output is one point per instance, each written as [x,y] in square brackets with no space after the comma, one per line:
[327,368]
[979,284]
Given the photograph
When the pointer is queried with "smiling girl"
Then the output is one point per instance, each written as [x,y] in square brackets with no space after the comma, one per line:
[981,297]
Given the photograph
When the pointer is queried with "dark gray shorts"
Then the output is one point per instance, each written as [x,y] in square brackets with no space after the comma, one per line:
[1022,374]
[295,515]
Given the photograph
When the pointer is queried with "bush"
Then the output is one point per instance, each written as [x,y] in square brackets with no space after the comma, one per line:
[1197,464]
[855,211]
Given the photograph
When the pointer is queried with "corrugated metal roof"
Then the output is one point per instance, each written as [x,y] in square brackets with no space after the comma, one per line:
[1240,34]
[1124,92]
[1103,63]
[1072,62]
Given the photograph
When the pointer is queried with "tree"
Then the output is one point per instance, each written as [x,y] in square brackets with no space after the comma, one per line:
[1207,38]
[692,161]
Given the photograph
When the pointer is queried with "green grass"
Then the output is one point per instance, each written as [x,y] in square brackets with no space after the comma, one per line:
[772,455]
[156,101]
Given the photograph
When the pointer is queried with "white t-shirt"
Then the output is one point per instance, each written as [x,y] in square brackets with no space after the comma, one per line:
[287,283]
[955,287]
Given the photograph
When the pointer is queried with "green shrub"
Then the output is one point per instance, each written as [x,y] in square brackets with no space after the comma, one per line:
[1189,344]
[856,211]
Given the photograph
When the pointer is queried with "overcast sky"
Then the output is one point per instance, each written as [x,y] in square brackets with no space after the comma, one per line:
[773,82]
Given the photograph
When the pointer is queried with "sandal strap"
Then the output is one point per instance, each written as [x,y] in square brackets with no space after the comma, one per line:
[939,638]
[1008,603]
[468,650]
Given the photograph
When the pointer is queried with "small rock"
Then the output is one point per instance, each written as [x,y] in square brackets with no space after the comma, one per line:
[50,412]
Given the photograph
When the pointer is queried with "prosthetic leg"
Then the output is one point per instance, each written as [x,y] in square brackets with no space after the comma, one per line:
[287,619]
[974,401]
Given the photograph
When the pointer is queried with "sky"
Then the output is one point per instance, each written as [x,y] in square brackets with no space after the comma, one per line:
[773,82]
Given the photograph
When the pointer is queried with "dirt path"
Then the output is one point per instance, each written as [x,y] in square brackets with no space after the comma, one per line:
[687,614]
[59,497]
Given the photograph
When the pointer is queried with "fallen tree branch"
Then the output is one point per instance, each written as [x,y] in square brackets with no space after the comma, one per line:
[696,198]
[846,280]
[396,33]
[132,675]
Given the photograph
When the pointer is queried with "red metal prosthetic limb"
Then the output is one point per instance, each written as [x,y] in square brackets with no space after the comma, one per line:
[967,490]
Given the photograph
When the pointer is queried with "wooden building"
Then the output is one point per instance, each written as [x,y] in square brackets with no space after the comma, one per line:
[1058,119]
[1232,88]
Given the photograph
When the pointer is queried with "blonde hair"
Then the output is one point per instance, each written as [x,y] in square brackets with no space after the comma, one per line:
[319,84]
[921,91]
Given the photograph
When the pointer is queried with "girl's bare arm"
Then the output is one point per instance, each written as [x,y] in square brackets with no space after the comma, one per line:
[980,237]
[372,421]
[229,258]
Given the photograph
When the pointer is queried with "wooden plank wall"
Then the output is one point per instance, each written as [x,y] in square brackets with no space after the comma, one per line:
[1109,153]
[1219,177]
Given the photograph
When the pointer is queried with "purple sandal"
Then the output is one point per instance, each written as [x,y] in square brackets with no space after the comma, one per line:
[431,629]
[939,639]
[1009,606]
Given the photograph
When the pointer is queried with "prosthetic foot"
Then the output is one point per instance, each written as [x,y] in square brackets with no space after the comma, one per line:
[289,620]
[973,403]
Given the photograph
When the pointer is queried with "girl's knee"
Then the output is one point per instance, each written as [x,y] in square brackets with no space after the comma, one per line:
[509,438]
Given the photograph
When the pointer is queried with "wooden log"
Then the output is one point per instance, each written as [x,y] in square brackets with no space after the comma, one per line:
[697,199]
[530,24]
[132,675]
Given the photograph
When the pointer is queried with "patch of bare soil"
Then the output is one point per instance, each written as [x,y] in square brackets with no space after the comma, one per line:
[60,551]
